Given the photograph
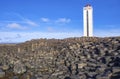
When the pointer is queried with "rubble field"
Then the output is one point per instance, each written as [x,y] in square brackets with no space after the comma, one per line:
[70,58]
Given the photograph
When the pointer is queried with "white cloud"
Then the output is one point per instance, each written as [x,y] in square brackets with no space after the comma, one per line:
[26,20]
[45,19]
[63,20]
[59,20]
[15,26]
[31,23]
[50,29]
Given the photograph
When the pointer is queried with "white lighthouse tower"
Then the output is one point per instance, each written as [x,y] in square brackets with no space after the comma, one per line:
[88,20]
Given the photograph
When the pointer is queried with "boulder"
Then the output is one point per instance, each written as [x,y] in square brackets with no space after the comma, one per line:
[19,68]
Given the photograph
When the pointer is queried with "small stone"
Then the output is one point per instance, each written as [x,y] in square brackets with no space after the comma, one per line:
[115,75]
[57,73]
[5,67]
[2,74]
[81,65]
[115,69]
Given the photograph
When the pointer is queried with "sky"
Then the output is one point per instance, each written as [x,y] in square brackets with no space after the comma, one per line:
[22,20]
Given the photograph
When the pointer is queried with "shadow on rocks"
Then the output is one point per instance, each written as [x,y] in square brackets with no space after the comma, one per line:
[67,78]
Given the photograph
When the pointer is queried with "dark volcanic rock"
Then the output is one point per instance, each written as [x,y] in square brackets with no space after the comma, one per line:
[71,58]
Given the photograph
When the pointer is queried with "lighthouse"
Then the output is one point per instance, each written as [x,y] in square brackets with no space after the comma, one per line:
[88,20]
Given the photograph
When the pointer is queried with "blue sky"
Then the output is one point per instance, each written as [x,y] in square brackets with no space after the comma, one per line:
[22,20]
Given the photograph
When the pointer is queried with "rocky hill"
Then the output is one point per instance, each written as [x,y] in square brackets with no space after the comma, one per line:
[71,58]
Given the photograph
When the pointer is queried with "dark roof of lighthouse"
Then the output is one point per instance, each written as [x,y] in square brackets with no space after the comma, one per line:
[88,5]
